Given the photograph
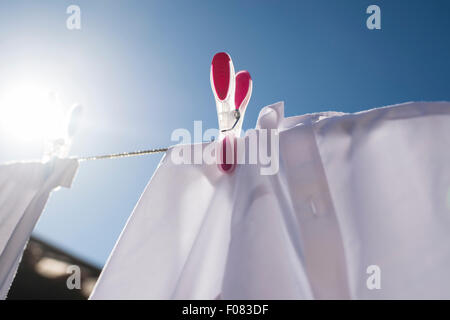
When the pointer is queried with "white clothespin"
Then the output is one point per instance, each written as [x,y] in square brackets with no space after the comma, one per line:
[59,146]
[232,93]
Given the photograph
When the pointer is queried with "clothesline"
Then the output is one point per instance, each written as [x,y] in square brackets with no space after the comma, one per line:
[122,155]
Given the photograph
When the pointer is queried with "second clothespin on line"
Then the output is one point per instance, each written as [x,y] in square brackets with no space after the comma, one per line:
[232,93]
[58,146]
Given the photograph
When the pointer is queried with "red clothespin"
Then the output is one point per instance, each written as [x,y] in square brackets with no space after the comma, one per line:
[232,93]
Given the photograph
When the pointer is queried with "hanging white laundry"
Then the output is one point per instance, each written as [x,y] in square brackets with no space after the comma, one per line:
[176,241]
[24,190]
[359,209]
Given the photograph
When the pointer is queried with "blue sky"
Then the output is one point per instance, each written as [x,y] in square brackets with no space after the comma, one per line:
[141,70]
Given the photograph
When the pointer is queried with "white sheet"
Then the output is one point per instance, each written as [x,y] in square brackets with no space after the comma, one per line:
[353,190]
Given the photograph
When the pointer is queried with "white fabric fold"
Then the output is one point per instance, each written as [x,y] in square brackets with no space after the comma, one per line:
[175,243]
[388,172]
[24,190]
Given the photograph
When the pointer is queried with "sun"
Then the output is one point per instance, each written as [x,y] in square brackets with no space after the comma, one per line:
[30,112]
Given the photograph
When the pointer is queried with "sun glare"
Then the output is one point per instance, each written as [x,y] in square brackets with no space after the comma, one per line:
[30,113]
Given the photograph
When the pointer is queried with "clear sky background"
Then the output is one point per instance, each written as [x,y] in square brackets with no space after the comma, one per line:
[141,70]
